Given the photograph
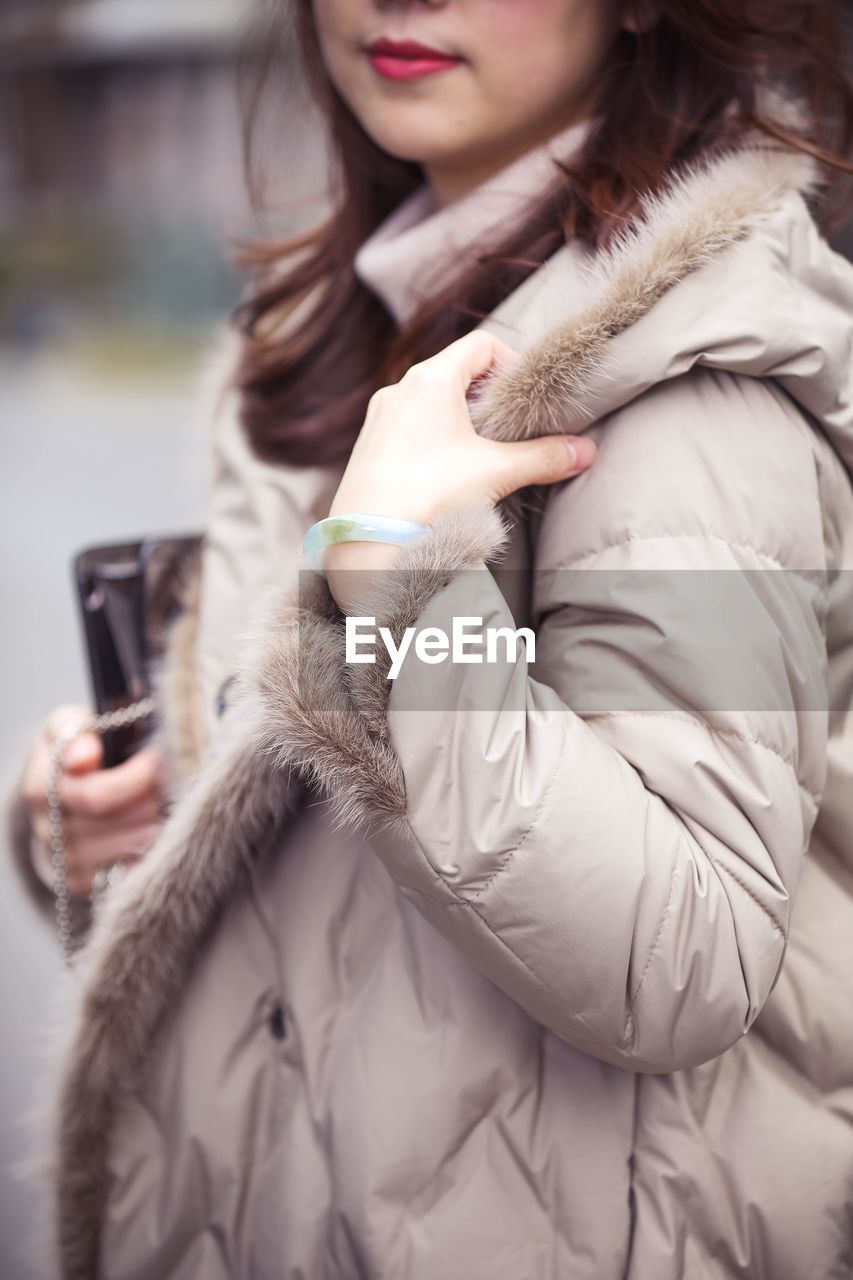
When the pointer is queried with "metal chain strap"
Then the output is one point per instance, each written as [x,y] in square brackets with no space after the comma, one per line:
[119,719]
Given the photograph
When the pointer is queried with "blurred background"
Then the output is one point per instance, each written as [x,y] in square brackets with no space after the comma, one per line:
[122,196]
[121,173]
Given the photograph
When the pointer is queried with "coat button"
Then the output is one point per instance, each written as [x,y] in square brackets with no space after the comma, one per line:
[221,698]
[276,1021]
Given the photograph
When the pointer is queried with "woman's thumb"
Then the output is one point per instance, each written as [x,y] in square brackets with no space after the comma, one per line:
[545,460]
[83,754]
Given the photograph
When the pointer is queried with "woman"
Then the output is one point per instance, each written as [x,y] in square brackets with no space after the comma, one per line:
[538,968]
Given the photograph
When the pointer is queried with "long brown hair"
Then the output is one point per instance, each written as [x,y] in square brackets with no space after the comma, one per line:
[664,96]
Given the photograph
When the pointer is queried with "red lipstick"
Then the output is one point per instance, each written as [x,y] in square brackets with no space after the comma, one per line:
[407,59]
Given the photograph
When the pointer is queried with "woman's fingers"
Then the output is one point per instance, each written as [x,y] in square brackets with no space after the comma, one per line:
[81,826]
[128,845]
[123,843]
[148,809]
[108,815]
[545,460]
[83,754]
[107,790]
[418,453]
[468,358]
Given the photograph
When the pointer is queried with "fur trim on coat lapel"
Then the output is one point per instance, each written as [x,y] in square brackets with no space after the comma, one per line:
[703,209]
[328,719]
[138,957]
[301,709]
[173,678]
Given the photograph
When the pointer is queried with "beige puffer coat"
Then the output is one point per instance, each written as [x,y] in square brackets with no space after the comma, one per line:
[560,990]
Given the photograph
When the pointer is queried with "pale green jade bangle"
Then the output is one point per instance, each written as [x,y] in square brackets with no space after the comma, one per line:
[356,528]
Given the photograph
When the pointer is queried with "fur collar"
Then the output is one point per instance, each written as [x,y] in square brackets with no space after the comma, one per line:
[300,713]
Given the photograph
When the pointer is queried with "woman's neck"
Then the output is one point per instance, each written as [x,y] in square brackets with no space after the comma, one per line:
[456,178]
[420,243]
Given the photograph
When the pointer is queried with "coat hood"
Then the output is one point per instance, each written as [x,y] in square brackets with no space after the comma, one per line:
[739,277]
[730,261]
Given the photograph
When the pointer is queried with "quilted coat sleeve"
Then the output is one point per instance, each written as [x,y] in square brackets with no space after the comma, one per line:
[613,833]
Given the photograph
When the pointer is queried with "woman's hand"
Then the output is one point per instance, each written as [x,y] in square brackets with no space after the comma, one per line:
[418,454]
[108,815]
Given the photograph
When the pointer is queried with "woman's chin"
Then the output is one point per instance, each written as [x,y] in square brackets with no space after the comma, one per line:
[409,137]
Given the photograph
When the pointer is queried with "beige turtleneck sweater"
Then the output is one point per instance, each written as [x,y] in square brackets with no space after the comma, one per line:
[402,259]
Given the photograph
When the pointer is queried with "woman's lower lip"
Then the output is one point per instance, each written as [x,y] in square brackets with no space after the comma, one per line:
[408,68]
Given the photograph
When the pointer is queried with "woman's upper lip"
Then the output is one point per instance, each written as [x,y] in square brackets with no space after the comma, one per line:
[407,49]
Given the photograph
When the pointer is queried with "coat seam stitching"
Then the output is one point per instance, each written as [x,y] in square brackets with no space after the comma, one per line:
[716,730]
[565,1008]
[666,914]
[664,536]
[467,900]
[750,893]
[472,904]
[508,857]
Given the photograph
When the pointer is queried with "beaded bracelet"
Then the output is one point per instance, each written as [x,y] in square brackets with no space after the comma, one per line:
[356,528]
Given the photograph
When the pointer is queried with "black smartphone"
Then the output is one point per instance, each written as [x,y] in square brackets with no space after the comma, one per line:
[109,582]
[126,591]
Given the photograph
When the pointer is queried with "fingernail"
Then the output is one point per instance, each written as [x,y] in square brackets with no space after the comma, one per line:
[581,450]
[79,750]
